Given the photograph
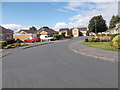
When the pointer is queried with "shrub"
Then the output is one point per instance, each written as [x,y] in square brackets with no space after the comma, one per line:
[97,39]
[18,41]
[91,39]
[86,40]
[68,37]
[16,44]
[24,44]
[10,41]
[103,34]
[105,39]
[8,46]
[116,42]
[56,37]
[3,44]
[112,36]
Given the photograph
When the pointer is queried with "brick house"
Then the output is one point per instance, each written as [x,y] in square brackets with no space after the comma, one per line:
[76,32]
[5,34]
[64,30]
[24,34]
[46,31]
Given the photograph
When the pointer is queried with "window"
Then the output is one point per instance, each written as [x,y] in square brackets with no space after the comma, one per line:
[75,30]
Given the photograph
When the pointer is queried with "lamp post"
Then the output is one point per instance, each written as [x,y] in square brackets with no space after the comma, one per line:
[95,27]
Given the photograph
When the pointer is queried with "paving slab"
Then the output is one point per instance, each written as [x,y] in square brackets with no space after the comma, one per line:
[93,52]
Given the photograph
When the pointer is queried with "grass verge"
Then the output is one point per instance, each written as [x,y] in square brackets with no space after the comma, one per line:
[100,45]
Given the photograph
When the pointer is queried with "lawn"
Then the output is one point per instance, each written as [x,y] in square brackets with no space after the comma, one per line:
[100,45]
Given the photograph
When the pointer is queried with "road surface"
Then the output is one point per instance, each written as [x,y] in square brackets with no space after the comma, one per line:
[54,66]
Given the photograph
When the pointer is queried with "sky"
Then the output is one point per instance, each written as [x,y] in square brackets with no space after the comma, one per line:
[56,15]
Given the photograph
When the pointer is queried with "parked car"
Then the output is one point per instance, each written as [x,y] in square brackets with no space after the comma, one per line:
[46,37]
[32,39]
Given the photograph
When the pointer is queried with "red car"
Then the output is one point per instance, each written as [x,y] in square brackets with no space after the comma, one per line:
[34,39]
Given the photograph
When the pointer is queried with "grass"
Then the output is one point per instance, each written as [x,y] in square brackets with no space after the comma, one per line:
[100,45]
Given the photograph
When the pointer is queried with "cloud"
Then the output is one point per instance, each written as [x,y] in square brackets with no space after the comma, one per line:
[62,10]
[86,10]
[16,27]
[13,27]
[60,25]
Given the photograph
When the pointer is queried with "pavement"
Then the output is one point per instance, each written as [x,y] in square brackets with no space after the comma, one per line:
[55,66]
[93,52]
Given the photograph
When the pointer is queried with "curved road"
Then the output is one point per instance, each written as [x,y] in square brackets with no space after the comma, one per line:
[54,66]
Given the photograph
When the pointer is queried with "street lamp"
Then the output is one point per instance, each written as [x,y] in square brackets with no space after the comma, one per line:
[95,26]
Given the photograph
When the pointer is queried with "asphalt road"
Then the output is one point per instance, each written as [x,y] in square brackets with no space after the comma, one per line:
[54,66]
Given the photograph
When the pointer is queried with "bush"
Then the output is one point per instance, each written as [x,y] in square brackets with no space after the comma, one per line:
[18,41]
[68,37]
[115,42]
[8,46]
[105,39]
[16,44]
[97,39]
[10,41]
[112,36]
[86,40]
[103,34]
[3,44]
[91,39]
[57,37]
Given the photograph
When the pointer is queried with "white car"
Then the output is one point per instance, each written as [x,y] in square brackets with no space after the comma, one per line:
[46,37]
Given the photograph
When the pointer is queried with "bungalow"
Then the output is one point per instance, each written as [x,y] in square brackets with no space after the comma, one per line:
[45,31]
[5,34]
[76,32]
[115,30]
[24,34]
[64,30]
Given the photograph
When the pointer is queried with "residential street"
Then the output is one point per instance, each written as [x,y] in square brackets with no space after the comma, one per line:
[55,66]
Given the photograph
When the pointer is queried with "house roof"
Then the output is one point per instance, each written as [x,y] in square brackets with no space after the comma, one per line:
[46,29]
[4,30]
[27,31]
[83,29]
[64,29]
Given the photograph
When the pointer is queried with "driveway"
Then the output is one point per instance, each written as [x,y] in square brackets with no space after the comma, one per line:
[54,66]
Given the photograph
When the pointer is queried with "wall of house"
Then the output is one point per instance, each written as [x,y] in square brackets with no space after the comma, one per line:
[22,32]
[22,37]
[43,33]
[84,32]
[75,32]
[6,36]
[66,33]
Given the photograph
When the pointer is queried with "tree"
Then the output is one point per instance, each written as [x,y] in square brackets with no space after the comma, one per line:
[33,28]
[56,37]
[114,20]
[63,34]
[98,24]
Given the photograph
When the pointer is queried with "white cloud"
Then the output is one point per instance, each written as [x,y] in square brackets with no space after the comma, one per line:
[87,10]
[13,27]
[62,10]
[16,27]
[60,25]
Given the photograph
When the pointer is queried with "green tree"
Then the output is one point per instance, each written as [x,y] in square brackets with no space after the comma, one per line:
[114,20]
[33,28]
[63,34]
[98,24]
[56,37]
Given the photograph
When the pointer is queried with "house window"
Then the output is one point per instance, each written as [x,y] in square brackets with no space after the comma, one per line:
[75,30]
[8,37]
